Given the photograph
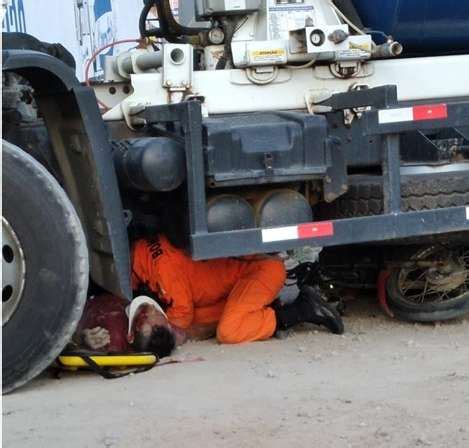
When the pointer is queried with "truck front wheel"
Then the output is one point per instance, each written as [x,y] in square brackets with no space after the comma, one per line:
[44,268]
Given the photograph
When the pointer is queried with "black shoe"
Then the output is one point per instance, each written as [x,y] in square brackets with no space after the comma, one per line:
[317,311]
[308,307]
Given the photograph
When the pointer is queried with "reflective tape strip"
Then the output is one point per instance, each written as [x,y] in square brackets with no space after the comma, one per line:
[395,115]
[315,230]
[416,113]
[280,234]
[431,112]
[301,231]
[467,213]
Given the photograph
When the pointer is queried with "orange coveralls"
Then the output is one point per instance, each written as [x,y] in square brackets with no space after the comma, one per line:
[235,293]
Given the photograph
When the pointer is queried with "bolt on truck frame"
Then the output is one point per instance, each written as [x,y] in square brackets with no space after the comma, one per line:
[264,126]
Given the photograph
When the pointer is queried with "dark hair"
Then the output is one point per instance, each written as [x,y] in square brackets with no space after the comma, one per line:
[161,342]
[156,213]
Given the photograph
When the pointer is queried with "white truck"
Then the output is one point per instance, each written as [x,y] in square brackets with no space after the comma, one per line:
[247,126]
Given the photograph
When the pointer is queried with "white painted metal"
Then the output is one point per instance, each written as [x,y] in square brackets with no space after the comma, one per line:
[178,67]
[112,94]
[230,91]
[283,32]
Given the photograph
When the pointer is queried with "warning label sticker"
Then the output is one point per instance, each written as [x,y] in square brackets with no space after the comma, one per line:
[285,18]
[268,56]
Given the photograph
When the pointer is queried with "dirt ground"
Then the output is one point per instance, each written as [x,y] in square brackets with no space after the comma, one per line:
[383,384]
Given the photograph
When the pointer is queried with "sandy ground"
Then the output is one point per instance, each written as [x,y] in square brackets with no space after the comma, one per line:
[382,384]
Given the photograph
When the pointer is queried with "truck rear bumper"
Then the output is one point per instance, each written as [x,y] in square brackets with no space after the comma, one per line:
[331,233]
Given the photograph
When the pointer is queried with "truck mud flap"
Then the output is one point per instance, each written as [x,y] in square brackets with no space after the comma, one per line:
[81,147]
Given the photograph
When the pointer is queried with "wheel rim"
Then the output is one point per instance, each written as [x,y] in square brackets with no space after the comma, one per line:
[13,271]
[435,275]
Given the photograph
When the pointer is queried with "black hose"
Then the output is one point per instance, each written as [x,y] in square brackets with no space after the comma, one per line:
[229,28]
[164,8]
[169,28]
[142,21]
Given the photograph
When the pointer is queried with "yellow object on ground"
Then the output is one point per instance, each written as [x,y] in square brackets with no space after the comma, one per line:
[132,360]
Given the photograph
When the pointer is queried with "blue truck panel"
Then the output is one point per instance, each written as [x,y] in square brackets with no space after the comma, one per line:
[422,26]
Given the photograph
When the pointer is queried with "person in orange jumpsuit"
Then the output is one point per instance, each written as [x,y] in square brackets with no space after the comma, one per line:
[235,297]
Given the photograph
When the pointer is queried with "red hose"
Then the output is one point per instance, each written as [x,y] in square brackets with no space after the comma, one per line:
[96,54]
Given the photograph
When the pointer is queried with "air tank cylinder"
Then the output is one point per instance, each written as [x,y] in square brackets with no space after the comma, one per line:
[227,212]
[150,164]
[282,208]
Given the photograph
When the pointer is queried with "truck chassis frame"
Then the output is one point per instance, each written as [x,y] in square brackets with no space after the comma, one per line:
[386,123]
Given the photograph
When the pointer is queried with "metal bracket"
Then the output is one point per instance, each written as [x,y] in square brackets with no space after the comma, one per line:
[335,182]
[269,164]
[379,98]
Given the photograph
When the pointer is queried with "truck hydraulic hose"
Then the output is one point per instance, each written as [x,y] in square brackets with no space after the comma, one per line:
[95,55]
[168,28]
[157,32]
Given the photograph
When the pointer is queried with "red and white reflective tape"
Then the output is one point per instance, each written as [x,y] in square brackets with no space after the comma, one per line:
[416,113]
[298,232]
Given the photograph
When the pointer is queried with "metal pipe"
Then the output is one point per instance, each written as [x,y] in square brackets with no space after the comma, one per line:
[388,50]
[143,62]
[149,61]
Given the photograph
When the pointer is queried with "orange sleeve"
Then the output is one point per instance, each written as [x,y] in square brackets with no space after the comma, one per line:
[178,292]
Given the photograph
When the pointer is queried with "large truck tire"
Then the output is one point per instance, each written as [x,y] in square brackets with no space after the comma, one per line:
[45,268]
[365,196]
